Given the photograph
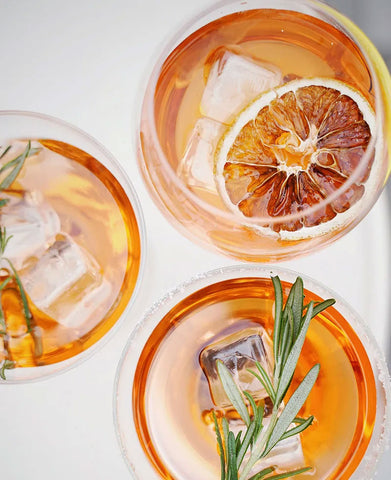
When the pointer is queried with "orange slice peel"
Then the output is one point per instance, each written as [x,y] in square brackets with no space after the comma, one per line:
[297,159]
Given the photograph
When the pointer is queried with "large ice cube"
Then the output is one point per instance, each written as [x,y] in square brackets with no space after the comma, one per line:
[233,82]
[66,283]
[196,167]
[31,221]
[238,352]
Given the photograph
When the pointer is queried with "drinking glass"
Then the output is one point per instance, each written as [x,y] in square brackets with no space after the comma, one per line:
[162,404]
[224,148]
[77,241]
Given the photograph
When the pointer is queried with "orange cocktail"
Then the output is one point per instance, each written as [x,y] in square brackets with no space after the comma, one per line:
[166,375]
[263,131]
[71,245]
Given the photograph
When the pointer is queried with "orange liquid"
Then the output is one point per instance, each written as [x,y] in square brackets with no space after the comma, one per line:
[96,213]
[171,410]
[300,46]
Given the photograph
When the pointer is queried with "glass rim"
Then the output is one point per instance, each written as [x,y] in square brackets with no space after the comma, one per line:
[188,29]
[58,368]
[151,318]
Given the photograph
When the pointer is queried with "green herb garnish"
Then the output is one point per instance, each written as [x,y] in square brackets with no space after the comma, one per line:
[8,173]
[4,239]
[290,329]
[15,166]
[6,365]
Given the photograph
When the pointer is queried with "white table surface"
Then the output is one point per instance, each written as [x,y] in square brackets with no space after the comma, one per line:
[85,61]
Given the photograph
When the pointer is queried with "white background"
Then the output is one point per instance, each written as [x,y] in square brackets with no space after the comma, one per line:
[86,62]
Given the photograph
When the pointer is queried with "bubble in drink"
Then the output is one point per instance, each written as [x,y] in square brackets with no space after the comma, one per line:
[238,352]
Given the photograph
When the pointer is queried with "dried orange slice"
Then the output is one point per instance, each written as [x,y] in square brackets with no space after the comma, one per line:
[293,147]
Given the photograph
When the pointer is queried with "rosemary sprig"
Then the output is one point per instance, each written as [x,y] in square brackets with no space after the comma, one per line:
[8,174]
[15,166]
[291,324]
[13,275]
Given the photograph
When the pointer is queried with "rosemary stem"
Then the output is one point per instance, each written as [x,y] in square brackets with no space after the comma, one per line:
[262,435]
[260,446]
[27,313]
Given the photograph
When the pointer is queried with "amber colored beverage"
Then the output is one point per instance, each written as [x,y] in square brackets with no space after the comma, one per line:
[172,403]
[182,129]
[97,233]
[301,46]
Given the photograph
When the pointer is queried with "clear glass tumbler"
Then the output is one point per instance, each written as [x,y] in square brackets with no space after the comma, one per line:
[162,402]
[76,240]
[265,127]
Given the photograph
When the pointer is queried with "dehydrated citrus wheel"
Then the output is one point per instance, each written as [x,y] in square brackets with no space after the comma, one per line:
[293,147]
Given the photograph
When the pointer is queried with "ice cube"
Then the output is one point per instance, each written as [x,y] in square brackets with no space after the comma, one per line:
[287,454]
[32,223]
[238,352]
[196,167]
[84,305]
[59,267]
[233,82]
[66,283]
